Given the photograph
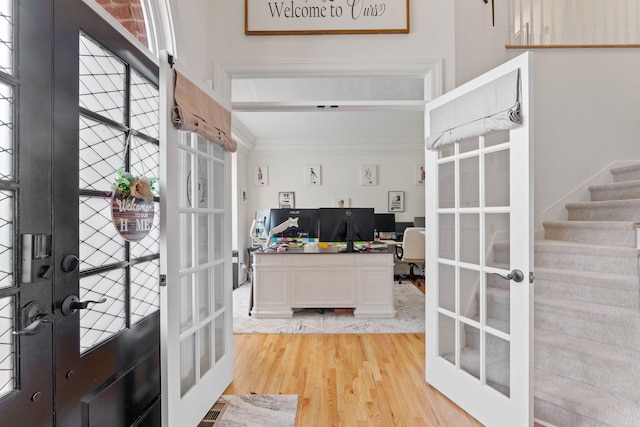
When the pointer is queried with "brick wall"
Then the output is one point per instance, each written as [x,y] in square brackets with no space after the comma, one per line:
[129,14]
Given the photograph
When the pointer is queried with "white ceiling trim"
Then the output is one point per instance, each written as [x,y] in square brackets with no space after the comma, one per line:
[342,146]
[430,69]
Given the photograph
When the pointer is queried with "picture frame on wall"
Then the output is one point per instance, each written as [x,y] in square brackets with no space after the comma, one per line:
[261,175]
[312,174]
[342,202]
[368,175]
[396,201]
[420,174]
[287,199]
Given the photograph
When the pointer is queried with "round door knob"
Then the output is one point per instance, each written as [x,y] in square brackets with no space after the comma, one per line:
[70,263]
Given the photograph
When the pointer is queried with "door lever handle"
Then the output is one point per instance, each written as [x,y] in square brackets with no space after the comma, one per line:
[81,305]
[34,318]
[515,275]
[36,325]
[72,303]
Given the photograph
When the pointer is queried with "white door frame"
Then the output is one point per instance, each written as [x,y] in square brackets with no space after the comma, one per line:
[190,408]
[472,394]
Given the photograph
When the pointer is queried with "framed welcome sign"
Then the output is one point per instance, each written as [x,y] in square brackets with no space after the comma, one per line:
[286,17]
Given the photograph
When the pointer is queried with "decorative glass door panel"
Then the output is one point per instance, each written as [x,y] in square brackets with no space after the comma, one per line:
[196,304]
[479,321]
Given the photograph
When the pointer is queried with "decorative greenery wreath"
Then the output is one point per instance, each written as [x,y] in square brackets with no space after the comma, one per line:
[127,185]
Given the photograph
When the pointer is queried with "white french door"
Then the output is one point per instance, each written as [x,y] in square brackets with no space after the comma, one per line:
[479,342]
[195,266]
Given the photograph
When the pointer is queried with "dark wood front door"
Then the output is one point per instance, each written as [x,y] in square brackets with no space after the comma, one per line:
[80,91]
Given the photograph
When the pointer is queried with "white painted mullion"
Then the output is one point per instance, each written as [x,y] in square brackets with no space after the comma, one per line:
[456,227]
[482,261]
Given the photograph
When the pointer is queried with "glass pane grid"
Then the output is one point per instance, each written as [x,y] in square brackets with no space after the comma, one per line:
[7,353]
[145,158]
[102,80]
[100,243]
[101,154]
[151,243]
[6,238]
[106,319]
[145,294]
[6,36]
[6,131]
[473,224]
[145,106]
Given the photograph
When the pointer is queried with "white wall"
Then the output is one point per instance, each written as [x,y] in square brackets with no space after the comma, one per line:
[340,178]
[431,37]
[586,114]
[479,46]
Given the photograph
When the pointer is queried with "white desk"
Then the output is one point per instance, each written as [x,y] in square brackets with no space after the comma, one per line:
[285,281]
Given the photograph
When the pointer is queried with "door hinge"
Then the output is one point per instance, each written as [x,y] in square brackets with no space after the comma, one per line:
[163,280]
[531,277]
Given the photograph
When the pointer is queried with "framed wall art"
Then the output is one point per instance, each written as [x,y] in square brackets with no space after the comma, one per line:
[420,174]
[396,201]
[368,175]
[261,175]
[263,17]
[287,199]
[312,174]
[341,202]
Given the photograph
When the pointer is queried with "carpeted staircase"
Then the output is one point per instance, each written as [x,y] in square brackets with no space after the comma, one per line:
[587,310]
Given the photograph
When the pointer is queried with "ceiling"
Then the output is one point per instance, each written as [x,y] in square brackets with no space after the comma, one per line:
[346,110]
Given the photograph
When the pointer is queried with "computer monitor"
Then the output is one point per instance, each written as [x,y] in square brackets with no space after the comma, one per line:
[346,225]
[385,222]
[307,222]
[418,221]
[400,227]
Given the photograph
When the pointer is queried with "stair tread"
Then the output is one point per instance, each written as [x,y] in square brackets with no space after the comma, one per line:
[622,169]
[574,247]
[592,352]
[590,310]
[622,185]
[578,397]
[596,279]
[604,203]
[592,224]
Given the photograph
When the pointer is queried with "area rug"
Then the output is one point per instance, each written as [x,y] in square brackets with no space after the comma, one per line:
[410,317]
[259,410]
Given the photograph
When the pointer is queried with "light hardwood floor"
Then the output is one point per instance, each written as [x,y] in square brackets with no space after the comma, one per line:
[345,380]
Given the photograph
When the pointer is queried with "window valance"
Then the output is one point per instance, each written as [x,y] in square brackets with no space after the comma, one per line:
[196,111]
[494,106]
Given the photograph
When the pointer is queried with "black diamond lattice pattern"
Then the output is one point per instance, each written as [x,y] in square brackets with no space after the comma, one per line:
[145,295]
[151,243]
[7,355]
[100,244]
[144,158]
[6,36]
[101,154]
[6,132]
[145,104]
[6,238]
[106,319]
[102,80]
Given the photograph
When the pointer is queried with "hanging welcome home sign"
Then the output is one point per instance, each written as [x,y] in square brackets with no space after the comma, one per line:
[277,17]
[132,208]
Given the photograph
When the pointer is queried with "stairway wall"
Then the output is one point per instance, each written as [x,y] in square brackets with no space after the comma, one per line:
[587,310]
[585,109]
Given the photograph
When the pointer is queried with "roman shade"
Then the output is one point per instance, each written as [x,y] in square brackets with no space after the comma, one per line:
[493,106]
[196,111]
